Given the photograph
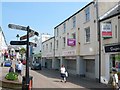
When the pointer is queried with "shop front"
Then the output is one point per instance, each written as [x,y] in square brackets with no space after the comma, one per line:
[113,52]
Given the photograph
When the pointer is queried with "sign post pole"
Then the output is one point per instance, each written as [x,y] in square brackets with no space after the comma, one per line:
[27,80]
[27,60]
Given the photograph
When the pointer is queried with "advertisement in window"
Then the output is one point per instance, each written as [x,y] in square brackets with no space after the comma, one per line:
[71,42]
[106,30]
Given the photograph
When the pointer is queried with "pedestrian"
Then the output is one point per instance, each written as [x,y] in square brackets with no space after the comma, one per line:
[20,66]
[63,76]
[115,79]
[11,69]
[16,67]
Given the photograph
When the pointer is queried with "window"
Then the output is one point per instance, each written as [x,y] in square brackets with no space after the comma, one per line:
[57,44]
[43,47]
[64,41]
[90,66]
[74,22]
[64,27]
[115,31]
[51,46]
[57,32]
[46,46]
[87,34]
[87,14]
[74,36]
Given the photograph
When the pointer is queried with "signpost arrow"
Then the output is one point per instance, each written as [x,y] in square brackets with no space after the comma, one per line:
[18,42]
[22,43]
[32,44]
[12,26]
[31,34]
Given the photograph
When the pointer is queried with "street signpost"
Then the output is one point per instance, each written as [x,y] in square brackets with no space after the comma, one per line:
[18,42]
[22,43]
[30,33]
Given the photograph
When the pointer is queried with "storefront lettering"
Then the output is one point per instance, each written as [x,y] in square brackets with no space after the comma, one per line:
[114,49]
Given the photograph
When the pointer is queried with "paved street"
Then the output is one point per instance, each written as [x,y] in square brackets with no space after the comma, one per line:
[51,79]
[47,78]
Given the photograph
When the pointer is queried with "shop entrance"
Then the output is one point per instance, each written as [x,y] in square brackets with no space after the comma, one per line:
[115,61]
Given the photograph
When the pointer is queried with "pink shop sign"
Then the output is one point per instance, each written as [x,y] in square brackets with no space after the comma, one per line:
[71,42]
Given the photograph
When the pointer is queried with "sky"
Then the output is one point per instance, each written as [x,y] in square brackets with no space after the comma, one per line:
[40,16]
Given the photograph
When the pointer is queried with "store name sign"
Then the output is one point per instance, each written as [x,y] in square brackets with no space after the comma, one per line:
[112,48]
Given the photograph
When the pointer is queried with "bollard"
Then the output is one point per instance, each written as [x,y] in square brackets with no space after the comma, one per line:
[24,83]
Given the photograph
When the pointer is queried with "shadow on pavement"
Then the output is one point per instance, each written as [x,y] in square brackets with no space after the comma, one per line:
[81,81]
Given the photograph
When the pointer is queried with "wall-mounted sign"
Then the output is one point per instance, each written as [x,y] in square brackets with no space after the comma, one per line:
[71,42]
[112,48]
[106,30]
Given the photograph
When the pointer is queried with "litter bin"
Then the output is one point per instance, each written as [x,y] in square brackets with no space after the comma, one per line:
[24,86]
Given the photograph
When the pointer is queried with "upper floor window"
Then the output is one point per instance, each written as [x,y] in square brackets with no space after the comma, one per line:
[43,47]
[74,36]
[46,46]
[56,32]
[74,22]
[57,44]
[87,14]
[51,46]
[64,41]
[64,27]
[116,31]
[87,34]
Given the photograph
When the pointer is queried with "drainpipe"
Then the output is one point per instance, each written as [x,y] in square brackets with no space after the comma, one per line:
[99,38]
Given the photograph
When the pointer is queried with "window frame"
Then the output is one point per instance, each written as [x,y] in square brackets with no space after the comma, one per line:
[87,14]
[87,35]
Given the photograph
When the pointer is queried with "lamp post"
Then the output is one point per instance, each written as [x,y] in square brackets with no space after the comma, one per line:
[17,36]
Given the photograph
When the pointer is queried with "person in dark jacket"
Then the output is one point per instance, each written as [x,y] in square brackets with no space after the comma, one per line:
[11,69]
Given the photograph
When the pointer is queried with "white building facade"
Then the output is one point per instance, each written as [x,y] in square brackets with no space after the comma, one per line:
[76,41]
[3,45]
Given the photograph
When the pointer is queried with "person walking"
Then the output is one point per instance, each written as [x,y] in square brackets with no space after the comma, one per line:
[11,69]
[20,66]
[16,66]
[115,79]
[63,75]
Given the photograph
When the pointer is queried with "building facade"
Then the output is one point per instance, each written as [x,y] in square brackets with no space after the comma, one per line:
[76,41]
[3,45]
[110,42]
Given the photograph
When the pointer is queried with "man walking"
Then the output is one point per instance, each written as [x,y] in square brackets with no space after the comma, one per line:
[20,68]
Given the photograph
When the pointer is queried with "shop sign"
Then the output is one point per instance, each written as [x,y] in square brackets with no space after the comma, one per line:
[112,48]
[71,42]
[106,30]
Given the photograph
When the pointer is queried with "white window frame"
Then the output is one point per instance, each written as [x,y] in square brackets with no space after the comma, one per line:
[64,41]
[51,46]
[64,27]
[87,14]
[74,21]
[87,35]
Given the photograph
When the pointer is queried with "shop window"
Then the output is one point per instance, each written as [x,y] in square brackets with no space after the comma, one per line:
[90,66]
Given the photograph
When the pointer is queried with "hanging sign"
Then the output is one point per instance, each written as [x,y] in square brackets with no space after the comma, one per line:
[106,30]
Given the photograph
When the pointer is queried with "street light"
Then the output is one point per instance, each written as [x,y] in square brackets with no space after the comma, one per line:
[17,36]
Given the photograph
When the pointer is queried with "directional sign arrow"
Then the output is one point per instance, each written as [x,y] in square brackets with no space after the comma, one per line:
[18,42]
[12,26]
[31,34]
[32,44]
[22,43]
